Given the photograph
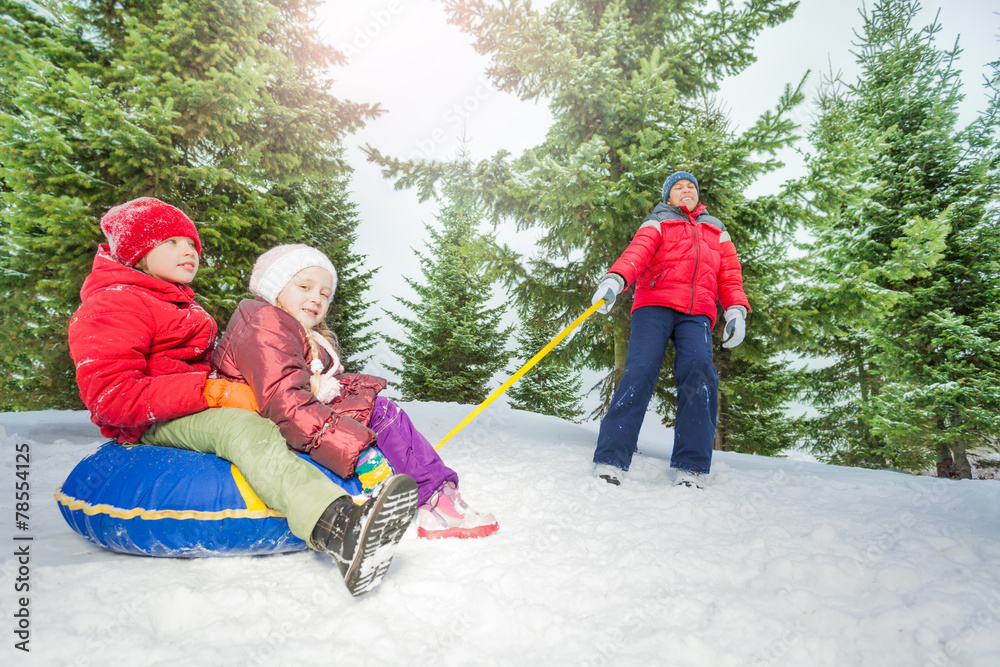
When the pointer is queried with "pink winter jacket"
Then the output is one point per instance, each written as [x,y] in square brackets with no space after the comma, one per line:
[267,348]
[141,346]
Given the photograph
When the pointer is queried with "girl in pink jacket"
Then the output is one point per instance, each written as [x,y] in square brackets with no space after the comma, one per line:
[279,345]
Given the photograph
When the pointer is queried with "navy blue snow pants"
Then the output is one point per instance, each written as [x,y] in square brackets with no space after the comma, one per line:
[697,389]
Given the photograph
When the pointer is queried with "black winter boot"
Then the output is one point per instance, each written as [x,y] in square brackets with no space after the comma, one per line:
[362,538]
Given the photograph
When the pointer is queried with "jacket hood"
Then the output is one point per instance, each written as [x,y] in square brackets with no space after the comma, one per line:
[664,208]
[108,272]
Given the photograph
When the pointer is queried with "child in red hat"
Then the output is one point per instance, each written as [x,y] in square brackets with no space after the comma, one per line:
[142,348]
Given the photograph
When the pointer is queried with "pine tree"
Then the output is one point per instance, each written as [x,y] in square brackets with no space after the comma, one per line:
[217,107]
[844,303]
[629,85]
[552,386]
[455,342]
[940,348]
[905,277]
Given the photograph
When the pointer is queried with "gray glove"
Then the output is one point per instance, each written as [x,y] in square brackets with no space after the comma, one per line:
[607,290]
[736,326]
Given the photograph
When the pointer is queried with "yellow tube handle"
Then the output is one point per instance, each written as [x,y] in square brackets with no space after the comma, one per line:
[524,369]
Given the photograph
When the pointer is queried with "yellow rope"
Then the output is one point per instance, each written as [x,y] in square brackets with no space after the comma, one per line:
[524,369]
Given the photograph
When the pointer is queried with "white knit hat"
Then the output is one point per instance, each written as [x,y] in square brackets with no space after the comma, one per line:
[273,269]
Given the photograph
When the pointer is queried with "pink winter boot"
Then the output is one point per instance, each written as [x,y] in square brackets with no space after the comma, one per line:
[447,515]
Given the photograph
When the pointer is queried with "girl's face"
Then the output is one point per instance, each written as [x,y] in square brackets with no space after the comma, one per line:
[684,193]
[307,295]
[175,260]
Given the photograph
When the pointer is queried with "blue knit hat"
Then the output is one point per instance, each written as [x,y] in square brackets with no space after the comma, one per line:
[678,176]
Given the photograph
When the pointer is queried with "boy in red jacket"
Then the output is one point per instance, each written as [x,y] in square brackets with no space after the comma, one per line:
[682,262]
[142,348]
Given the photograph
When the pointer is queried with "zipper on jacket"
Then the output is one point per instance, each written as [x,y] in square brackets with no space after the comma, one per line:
[697,258]
[652,283]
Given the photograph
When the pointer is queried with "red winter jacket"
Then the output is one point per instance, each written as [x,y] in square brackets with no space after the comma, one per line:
[141,346]
[267,348]
[685,261]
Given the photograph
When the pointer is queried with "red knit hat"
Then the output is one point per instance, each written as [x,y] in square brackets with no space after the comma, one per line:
[136,227]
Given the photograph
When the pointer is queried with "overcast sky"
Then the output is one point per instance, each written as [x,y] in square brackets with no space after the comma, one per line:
[405,56]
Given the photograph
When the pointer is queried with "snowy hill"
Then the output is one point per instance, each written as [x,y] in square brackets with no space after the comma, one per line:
[776,562]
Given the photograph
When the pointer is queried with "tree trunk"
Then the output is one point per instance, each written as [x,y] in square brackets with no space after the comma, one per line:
[952,462]
[963,469]
[621,331]
[721,442]
[945,468]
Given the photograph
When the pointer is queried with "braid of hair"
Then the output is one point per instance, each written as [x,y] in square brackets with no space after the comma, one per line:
[315,363]
[328,334]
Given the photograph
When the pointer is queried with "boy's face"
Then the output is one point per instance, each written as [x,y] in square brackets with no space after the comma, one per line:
[684,193]
[175,260]
[307,295]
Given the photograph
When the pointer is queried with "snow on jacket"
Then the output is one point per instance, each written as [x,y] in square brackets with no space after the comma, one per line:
[685,261]
[142,349]
[267,348]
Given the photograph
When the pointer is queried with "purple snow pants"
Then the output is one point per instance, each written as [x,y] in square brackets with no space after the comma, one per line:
[407,450]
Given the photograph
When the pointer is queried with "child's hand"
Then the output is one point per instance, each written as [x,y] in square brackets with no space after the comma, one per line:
[736,326]
[607,291]
[357,399]
[221,393]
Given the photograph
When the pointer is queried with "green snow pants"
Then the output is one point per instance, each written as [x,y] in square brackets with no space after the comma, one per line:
[282,480]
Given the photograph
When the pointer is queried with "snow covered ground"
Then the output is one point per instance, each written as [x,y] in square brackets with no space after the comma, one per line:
[776,562]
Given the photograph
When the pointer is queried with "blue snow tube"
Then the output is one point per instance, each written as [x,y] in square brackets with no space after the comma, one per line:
[174,503]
